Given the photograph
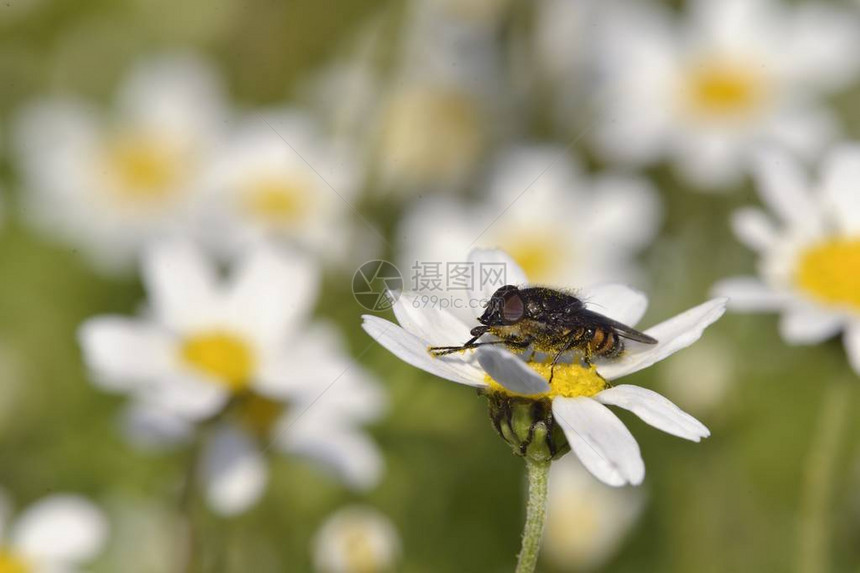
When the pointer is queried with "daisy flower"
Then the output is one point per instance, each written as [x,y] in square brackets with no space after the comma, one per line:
[444,107]
[808,248]
[356,538]
[542,421]
[240,358]
[578,395]
[279,177]
[531,195]
[110,181]
[734,74]
[58,533]
[586,520]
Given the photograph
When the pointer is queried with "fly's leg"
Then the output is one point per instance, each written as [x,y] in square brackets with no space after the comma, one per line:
[445,350]
[571,342]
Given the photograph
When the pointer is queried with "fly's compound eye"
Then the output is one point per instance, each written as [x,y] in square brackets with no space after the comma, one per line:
[512,308]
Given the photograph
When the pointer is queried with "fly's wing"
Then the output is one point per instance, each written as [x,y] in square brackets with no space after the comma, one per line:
[590,318]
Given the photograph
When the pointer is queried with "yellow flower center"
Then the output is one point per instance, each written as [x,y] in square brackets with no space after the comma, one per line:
[359,553]
[11,563]
[538,255]
[220,355]
[830,272]
[568,381]
[277,201]
[723,89]
[144,167]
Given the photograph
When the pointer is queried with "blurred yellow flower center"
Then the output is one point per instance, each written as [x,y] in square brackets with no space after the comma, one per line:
[830,272]
[359,553]
[145,167]
[222,356]
[430,135]
[537,255]
[572,526]
[277,201]
[10,563]
[720,89]
[569,381]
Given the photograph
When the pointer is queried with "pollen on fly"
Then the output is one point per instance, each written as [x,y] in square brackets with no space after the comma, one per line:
[550,321]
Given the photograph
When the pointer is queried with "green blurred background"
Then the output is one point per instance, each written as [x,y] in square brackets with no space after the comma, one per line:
[454,491]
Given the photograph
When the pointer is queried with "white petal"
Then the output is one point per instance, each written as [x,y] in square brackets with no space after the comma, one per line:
[802,128]
[61,530]
[821,41]
[804,324]
[234,471]
[841,173]
[783,185]
[754,229]
[511,372]
[349,453]
[672,335]
[413,350]
[122,352]
[179,94]
[617,301]
[186,395]
[309,366]
[625,212]
[712,161]
[151,427]
[851,340]
[181,285]
[485,260]
[603,444]
[655,410]
[749,294]
[273,291]
[435,325]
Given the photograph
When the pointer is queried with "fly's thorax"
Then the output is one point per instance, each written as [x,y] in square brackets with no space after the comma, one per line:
[543,336]
[527,425]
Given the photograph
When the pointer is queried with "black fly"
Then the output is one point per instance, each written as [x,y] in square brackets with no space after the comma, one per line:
[549,321]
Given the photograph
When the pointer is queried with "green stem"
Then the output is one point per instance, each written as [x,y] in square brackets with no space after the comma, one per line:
[821,466]
[535,515]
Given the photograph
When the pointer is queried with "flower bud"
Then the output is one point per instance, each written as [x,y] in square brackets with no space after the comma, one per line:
[527,425]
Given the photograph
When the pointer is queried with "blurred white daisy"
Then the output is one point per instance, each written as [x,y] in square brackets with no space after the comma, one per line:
[444,107]
[710,89]
[356,539]
[558,67]
[109,181]
[586,520]
[808,248]
[57,533]
[578,394]
[280,178]
[534,194]
[701,379]
[241,356]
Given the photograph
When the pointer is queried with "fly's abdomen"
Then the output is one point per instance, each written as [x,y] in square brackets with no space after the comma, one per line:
[606,344]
